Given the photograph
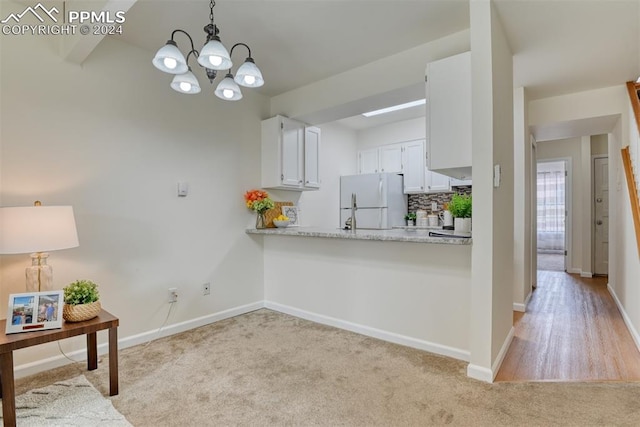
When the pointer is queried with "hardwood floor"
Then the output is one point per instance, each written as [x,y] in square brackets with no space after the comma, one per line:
[572,331]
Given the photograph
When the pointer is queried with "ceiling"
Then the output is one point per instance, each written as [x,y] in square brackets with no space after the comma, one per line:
[559,46]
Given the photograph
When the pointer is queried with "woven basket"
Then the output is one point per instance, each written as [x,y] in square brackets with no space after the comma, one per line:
[80,312]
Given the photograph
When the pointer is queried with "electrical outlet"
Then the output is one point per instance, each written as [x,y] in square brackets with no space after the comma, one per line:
[173,295]
[206,288]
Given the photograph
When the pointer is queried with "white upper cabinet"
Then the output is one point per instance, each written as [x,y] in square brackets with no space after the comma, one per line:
[290,155]
[390,158]
[414,169]
[436,182]
[312,157]
[448,92]
[368,161]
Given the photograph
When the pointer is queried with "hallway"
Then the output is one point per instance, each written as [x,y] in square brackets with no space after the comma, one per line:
[572,331]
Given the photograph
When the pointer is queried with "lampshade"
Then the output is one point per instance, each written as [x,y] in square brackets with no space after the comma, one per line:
[215,56]
[228,89]
[37,229]
[170,60]
[186,83]
[249,75]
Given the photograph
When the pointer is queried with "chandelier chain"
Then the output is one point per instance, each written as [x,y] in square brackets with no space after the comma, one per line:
[211,5]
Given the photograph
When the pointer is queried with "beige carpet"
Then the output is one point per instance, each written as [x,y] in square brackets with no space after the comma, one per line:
[67,403]
[267,368]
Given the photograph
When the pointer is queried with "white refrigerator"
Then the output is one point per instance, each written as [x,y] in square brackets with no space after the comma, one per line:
[380,200]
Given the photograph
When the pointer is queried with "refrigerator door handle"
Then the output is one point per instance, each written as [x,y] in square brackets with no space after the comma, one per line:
[380,218]
[380,191]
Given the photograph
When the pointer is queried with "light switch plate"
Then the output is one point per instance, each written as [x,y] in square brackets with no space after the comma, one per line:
[183,189]
[496,176]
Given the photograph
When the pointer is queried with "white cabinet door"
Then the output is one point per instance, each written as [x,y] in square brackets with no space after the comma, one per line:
[414,170]
[312,157]
[368,161]
[292,152]
[448,117]
[437,182]
[390,158]
[290,155]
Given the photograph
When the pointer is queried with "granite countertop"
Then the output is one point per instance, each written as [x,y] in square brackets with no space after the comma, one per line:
[414,235]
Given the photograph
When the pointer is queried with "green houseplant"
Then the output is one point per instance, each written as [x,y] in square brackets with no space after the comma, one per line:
[81,301]
[460,208]
[410,218]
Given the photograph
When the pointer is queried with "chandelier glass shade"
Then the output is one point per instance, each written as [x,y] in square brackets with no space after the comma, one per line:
[213,57]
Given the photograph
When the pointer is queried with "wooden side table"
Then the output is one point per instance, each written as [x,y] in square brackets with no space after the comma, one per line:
[8,343]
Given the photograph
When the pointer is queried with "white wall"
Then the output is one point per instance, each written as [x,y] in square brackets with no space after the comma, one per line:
[387,81]
[522,244]
[112,139]
[411,293]
[405,130]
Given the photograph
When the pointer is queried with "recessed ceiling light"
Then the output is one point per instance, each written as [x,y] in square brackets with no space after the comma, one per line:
[395,108]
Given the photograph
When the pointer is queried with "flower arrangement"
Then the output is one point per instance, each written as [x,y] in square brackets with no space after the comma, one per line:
[81,292]
[258,200]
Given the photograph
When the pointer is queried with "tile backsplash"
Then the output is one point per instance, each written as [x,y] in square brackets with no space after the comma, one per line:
[423,201]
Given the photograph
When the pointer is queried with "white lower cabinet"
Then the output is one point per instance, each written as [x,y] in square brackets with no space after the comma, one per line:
[290,155]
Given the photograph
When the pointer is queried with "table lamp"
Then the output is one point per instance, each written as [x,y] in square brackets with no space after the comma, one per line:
[37,229]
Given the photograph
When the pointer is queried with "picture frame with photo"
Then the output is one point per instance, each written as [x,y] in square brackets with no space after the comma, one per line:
[293,213]
[34,311]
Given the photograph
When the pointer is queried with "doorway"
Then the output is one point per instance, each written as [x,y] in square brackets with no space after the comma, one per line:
[551,215]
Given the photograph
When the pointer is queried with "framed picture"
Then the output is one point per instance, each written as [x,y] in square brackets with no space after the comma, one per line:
[34,311]
[293,214]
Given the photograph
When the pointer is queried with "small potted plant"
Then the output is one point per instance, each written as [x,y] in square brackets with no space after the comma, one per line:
[81,301]
[410,218]
[460,208]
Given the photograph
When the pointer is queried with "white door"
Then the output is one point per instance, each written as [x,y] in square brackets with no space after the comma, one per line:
[368,161]
[312,157]
[292,138]
[391,158]
[601,210]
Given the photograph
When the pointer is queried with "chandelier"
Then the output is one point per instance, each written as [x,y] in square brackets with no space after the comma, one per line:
[213,57]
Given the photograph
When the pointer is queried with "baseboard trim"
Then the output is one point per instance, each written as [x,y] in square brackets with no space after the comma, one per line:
[587,274]
[522,307]
[80,355]
[574,271]
[488,375]
[627,321]
[479,373]
[443,350]
[502,353]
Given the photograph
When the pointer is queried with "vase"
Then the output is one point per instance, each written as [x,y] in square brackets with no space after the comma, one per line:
[260,221]
[462,225]
[80,312]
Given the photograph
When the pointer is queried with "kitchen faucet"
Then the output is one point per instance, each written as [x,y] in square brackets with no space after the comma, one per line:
[354,208]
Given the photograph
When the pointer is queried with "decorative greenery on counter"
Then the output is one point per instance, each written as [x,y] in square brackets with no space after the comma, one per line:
[411,216]
[81,292]
[460,206]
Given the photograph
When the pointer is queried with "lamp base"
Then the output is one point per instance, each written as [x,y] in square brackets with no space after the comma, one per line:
[39,275]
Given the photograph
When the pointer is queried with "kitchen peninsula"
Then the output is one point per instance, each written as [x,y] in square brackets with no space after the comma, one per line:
[415,235]
[396,285]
